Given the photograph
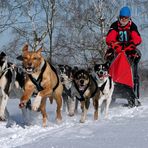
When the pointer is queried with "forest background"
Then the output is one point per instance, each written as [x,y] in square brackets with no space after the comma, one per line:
[70,31]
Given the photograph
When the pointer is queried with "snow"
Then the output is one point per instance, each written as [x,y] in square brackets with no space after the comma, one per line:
[125,128]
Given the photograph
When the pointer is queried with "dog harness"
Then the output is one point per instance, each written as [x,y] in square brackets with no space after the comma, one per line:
[67,91]
[56,75]
[92,95]
[37,82]
[103,85]
[82,92]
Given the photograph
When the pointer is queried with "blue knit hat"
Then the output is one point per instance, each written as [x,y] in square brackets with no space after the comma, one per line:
[125,11]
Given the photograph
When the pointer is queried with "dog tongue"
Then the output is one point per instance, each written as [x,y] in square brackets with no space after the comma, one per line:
[82,87]
[100,76]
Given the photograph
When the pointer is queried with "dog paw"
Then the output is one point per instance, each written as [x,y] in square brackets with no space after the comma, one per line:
[71,114]
[2,117]
[82,120]
[106,117]
[44,122]
[36,103]
[58,121]
[22,105]
[35,107]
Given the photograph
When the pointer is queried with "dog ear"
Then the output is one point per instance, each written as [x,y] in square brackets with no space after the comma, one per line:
[89,70]
[39,50]
[25,48]
[20,58]
[74,70]
[96,67]
[3,54]
[60,65]
[107,65]
[67,67]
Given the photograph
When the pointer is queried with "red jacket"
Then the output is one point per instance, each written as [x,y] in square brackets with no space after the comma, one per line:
[121,38]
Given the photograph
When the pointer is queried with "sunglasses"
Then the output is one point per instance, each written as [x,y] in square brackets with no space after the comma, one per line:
[124,17]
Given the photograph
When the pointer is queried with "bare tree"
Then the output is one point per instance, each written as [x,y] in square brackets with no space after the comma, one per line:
[50,11]
[71,31]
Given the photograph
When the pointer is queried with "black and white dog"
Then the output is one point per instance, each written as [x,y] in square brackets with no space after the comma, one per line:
[10,78]
[106,85]
[66,77]
[7,76]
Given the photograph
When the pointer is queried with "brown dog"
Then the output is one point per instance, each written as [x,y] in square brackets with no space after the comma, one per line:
[41,77]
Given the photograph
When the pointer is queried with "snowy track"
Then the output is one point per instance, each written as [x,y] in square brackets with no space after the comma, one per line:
[122,126]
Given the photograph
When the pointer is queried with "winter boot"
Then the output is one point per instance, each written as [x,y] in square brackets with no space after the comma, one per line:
[131,103]
[137,102]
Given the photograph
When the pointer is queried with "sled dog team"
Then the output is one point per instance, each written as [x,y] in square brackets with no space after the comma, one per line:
[67,86]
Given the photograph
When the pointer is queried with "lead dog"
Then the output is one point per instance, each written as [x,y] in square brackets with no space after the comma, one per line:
[86,89]
[106,85]
[41,77]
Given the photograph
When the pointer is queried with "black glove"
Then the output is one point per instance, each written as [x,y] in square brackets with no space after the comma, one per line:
[134,55]
[109,55]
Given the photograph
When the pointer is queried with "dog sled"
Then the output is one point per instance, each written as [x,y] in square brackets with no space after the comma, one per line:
[124,71]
